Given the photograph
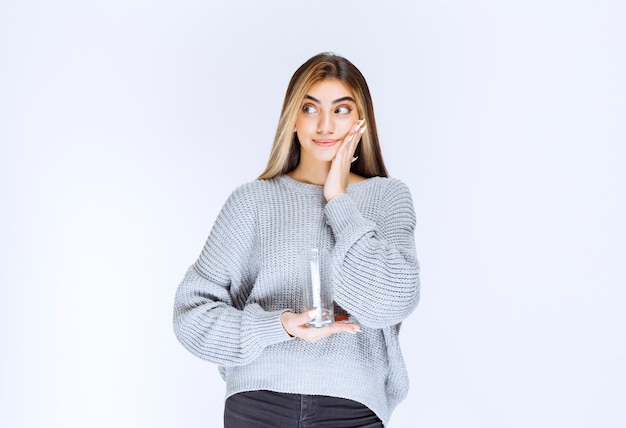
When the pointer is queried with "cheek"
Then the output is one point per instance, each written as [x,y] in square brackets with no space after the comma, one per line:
[302,133]
[346,126]
[302,126]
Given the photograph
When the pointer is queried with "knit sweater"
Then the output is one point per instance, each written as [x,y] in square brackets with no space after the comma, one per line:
[228,306]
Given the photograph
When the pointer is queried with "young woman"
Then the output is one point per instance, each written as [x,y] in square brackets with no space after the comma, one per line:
[238,306]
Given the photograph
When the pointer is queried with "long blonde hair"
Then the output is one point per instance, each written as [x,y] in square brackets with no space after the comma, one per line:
[285,154]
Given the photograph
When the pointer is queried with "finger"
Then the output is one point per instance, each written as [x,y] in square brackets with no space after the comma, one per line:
[353,139]
[355,131]
[300,320]
[341,327]
[313,334]
[344,328]
[357,140]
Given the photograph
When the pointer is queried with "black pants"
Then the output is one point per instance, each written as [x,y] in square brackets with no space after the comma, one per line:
[267,409]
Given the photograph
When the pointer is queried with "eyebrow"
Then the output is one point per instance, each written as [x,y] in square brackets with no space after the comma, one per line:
[338,100]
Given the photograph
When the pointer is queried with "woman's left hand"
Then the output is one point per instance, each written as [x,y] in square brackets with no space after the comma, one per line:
[295,326]
[339,174]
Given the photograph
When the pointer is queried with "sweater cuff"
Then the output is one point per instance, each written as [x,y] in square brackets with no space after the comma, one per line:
[342,215]
[265,328]
[341,212]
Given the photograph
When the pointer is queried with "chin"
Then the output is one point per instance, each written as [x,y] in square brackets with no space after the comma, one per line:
[326,157]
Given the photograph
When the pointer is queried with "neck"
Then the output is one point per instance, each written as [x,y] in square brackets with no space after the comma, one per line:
[311,172]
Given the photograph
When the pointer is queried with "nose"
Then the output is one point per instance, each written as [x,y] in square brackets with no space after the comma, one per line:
[325,124]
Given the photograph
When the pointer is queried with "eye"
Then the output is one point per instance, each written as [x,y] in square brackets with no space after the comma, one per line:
[308,109]
[343,110]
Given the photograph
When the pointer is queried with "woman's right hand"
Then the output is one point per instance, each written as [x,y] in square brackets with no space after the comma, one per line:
[295,325]
[339,175]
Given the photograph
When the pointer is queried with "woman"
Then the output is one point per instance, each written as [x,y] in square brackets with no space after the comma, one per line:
[325,185]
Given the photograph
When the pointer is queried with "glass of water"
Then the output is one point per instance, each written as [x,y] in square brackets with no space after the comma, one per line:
[316,282]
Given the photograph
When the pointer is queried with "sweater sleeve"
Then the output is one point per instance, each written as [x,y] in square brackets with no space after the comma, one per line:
[209,320]
[376,268]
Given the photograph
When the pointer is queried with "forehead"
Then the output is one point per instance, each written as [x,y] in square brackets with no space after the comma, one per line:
[328,90]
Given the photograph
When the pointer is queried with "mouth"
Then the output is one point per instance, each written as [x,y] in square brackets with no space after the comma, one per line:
[325,143]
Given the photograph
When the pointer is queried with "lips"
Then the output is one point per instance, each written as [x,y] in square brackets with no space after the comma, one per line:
[325,143]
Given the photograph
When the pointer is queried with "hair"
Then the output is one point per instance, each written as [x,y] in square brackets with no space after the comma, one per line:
[285,154]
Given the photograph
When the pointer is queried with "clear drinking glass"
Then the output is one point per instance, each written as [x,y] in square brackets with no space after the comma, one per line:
[317,290]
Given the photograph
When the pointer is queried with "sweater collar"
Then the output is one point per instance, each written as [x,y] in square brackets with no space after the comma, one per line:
[313,189]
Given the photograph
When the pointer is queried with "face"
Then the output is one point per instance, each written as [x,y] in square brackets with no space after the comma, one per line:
[327,114]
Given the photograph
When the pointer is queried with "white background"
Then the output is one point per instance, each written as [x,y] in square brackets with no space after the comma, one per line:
[124,125]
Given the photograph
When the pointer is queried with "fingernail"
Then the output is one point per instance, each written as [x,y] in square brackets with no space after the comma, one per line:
[363,130]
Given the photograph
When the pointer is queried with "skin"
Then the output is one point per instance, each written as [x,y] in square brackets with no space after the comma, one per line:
[329,130]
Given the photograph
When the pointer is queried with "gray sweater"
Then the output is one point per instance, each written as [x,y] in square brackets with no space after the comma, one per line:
[228,306]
